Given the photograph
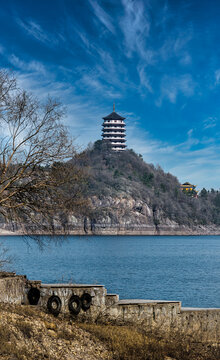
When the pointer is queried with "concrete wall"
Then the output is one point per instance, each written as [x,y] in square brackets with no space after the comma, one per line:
[65,291]
[200,323]
[12,288]
[148,312]
[167,316]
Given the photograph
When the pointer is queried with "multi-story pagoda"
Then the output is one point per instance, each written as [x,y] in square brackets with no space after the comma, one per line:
[114,130]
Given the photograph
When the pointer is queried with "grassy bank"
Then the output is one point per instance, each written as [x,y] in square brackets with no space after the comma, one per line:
[27,333]
[130,343]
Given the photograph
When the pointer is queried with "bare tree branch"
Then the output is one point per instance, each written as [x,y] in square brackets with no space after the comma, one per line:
[34,152]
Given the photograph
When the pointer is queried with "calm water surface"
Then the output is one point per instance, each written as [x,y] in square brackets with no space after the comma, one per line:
[146,267]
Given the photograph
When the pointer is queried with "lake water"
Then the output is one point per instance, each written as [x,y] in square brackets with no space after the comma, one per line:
[182,268]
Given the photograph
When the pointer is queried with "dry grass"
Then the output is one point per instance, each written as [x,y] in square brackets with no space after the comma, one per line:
[25,328]
[27,333]
[130,343]
[8,345]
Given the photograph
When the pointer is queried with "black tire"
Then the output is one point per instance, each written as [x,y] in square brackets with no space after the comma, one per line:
[54,305]
[86,300]
[33,296]
[74,304]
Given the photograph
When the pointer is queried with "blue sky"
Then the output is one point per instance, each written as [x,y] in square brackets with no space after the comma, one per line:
[158,60]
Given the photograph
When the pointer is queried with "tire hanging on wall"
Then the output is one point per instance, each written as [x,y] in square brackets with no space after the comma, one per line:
[86,300]
[33,296]
[74,304]
[54,305]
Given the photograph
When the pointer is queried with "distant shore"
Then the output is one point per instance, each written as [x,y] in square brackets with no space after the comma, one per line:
[159,231]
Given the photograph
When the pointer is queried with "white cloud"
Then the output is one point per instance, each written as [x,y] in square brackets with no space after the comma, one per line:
[181,41]
[181,160]
[105,74]
[189,133]
[217,77]
[85,43]
[103,17]
[104,77]
[164,15]
[210,122]
[83,118]
[90,81]
[144,77]
[135,25]
[185,59]
[172,86]
[35,30]
[176,45]
[32,66]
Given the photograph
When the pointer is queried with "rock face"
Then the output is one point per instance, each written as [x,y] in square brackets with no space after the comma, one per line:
[128,216]
[124,215]
[120,214]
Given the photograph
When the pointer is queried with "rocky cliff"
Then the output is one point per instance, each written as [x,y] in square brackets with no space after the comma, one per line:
[127,216]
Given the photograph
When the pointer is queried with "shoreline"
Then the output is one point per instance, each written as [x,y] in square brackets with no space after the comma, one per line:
[196,231]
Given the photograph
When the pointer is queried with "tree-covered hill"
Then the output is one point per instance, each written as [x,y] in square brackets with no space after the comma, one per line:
[125,189]
[111,192]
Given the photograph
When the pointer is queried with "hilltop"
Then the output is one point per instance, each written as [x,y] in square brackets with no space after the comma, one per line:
[127,195]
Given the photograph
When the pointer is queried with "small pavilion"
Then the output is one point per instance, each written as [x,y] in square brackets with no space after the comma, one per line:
[189,189]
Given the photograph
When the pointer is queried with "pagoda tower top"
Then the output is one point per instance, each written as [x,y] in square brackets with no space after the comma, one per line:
[114,130]
[113,115]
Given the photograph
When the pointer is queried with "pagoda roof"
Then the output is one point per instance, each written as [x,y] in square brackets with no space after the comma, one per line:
[113,116]
[187,185]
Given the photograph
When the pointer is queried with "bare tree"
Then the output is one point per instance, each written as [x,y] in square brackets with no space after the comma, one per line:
[34,149]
